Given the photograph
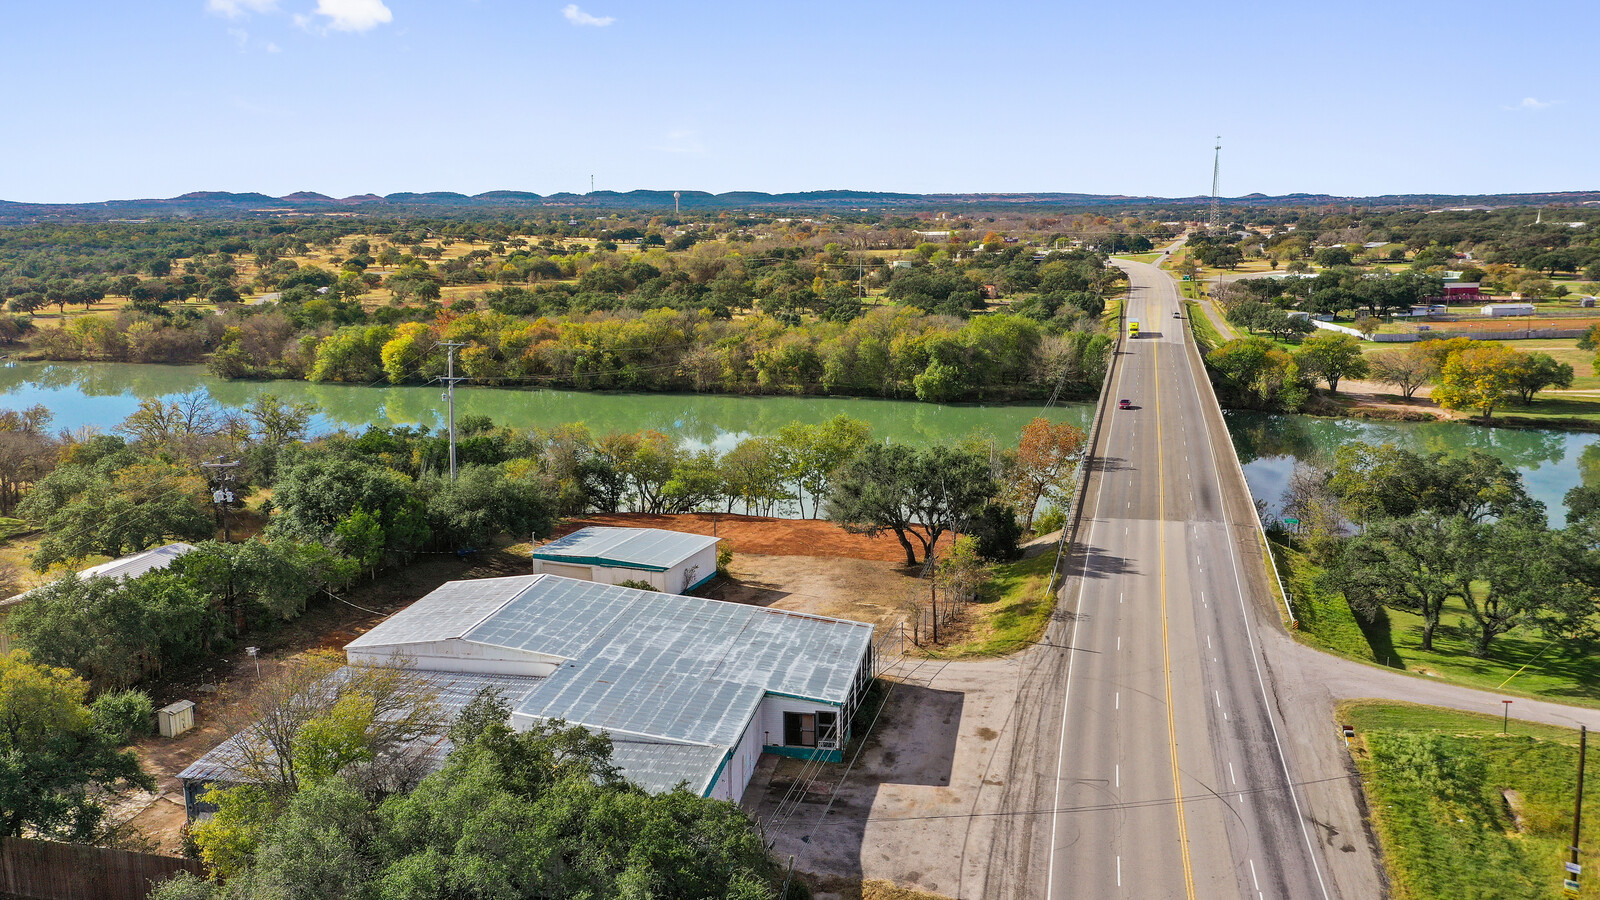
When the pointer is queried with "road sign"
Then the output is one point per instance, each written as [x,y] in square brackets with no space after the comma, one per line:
[1569,885]
[1574,868]
[1288,521]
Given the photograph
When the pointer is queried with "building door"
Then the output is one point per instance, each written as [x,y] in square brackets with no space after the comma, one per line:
[799,729]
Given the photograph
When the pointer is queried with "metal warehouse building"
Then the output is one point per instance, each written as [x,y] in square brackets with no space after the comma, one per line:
[670,561]
[691,691]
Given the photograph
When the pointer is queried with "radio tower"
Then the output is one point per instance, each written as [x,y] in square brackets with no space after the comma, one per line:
[1216,178]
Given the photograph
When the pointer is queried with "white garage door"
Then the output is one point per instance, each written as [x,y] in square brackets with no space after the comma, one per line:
[568,571]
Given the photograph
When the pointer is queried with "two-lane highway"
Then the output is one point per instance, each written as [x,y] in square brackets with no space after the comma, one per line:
[1171,778]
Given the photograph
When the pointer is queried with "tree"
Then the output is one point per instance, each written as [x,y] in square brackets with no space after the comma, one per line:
[113,632]
[1523,573]
[1480,378]
[894,488]
[1537,372]
[1417,564]
[1405,369]
[811,454]
[484,501]
[1376,482]
[57,769]
[1252,372]
[1331,356]
[1046,459]
[110,510]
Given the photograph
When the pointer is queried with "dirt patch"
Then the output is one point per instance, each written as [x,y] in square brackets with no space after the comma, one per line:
[760,534]
[864,590]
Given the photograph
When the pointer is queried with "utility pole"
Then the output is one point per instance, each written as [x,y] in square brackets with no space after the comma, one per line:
[222,477]
[449,398]
[1573,868]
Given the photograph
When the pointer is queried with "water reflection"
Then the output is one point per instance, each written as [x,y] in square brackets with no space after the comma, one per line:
[103,394]
[1551,462]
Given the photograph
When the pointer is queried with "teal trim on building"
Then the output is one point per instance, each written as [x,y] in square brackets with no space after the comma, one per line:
[701,581]
[726,758]
[804,753]
[597,561]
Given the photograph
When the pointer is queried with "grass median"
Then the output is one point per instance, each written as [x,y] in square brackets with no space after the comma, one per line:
[1462,810]
[1010,614]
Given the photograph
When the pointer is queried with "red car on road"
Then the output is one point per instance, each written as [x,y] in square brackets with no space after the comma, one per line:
[1124,404]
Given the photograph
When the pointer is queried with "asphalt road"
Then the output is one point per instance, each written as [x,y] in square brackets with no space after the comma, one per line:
[1170,777]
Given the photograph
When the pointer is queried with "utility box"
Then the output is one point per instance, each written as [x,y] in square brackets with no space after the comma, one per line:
[176,719]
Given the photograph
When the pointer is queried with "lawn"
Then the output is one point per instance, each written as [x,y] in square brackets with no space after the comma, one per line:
[1138,257]
[1010,614]
[1462,810]
[1523,663]
[1205,331]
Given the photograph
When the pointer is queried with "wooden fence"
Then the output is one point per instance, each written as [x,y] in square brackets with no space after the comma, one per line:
[45,870]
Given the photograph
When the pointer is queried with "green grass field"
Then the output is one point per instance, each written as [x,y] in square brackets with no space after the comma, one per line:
[1204,330]
[1523,663]
[1462,810]
[1138,257]
[1011,613]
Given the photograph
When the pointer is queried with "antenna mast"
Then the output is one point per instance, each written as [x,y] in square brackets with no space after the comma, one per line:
[1216,180]
[676,196]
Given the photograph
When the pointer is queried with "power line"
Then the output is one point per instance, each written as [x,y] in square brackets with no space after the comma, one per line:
[449,379]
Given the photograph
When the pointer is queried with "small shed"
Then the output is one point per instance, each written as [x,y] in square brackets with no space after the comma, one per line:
[1499,310]
[175,719]
[670,561]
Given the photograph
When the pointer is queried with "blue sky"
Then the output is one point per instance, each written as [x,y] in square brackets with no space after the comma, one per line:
[110,100]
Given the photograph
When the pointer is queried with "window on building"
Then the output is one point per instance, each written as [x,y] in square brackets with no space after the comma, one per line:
[828,729]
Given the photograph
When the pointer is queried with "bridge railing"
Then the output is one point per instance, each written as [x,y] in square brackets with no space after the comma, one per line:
[1080,490]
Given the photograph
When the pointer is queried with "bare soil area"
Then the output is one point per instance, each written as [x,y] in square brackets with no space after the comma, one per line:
[864,590]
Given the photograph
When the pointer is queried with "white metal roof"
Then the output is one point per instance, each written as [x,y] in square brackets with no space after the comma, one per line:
[124,567]
[644,548]
[659,672]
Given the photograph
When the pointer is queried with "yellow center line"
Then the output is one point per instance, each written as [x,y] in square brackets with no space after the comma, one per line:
[1166,647]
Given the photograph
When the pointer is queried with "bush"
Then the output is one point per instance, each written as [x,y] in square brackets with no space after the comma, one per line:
[1052,519]
[122,715]
[638,585]
[997,533]
[724,559]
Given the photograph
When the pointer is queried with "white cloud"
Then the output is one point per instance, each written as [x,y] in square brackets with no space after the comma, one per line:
[578,17]
[273,48]
[236,8]
[351,15]
[1532,104]
[239,35]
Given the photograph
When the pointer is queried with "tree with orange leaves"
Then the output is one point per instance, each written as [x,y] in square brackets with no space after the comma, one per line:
[1045,461]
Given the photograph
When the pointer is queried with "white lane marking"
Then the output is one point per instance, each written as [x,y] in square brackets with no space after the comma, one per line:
[1241,799]
[1072,656]
[1119,598]
[1208,642]
[1119,642]
[1118,696]
[1218,699]
[1119,775]
[1253,879]
[1261,681]
[1119,871]
[1231,779]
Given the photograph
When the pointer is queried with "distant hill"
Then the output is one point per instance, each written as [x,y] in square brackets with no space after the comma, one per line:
[226,205]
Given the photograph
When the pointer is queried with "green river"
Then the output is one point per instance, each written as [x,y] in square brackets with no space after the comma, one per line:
[103,394]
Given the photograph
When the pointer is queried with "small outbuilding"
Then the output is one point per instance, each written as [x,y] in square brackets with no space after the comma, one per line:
[671,561]
[1500,310]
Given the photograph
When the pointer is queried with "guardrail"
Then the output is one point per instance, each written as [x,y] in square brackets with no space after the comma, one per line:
[1069,529]
[1261,530]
